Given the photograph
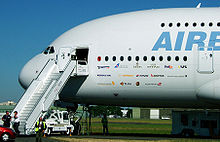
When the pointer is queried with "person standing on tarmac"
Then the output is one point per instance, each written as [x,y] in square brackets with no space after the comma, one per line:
[105,124]
[6,119]
[16,122]
[40,127]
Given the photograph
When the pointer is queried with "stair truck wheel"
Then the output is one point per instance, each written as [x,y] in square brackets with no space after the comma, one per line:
[49,131]
[68,131]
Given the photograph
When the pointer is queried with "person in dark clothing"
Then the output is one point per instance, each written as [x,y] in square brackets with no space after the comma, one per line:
[6,119]
[105,124]
[16,122]
[40,127]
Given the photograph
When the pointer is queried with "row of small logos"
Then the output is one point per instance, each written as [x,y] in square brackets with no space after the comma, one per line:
[151,66]
[142,75]
[159,84]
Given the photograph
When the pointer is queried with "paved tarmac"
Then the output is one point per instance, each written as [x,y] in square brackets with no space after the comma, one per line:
[32,139]
[112,137]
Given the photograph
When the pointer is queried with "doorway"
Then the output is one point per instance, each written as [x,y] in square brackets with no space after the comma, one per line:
[82,54]
[205,60]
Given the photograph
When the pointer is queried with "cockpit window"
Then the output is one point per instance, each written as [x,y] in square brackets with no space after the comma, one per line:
[52,50]
[49,50]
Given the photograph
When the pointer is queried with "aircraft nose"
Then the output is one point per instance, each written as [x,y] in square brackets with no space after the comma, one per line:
[31,70]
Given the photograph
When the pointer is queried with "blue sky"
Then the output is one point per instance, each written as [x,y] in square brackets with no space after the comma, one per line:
[27,27]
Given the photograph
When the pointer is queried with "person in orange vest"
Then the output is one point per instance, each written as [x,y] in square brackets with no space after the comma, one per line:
[40,127]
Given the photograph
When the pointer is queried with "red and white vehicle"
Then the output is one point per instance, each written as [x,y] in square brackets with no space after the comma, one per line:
[6,134]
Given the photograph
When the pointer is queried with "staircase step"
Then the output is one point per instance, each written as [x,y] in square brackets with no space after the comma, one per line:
[34,99]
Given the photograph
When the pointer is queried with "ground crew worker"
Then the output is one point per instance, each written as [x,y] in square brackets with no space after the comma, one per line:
[105,124]
[40,127]
[16,122]
[6,119]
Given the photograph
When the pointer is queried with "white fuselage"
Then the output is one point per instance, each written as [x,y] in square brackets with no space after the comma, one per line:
[190,82]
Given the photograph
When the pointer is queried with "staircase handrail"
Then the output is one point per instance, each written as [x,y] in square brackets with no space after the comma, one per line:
[22,99]
[51,88]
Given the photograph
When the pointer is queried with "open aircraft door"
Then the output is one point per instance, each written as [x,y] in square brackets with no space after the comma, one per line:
[82,62]
[205,60]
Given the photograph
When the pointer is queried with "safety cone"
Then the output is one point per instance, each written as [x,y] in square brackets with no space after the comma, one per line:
[44,135]
[70,133]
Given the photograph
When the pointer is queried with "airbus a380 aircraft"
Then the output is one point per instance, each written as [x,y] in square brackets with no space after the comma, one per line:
[152,58]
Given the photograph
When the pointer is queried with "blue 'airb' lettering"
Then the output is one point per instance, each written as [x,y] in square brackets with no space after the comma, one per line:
[194,38]
[163,42]
[179,41]
[213,40]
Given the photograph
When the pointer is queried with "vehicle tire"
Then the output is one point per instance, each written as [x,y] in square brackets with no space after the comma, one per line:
[68,131]
[49,131]
[5,137]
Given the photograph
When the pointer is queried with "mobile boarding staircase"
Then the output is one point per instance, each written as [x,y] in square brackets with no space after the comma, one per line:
[42,93]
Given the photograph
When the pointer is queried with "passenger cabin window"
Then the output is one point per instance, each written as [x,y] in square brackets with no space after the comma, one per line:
[194,24]
[177,58]
[106,58]
[202,24]
[114,58]
[184,58]
[170,24]
[122,58]
[129,58]
[137,58]
[145,58]
[153,58]
[168,58]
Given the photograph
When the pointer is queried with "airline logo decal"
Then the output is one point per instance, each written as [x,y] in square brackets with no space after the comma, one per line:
[153,84]
[137,66]
[126,75]
[177,76]
[141,75]
[153,66]
[192,38]
[113,83]
[120,66]
[117,65]
[106,84]
[182,66]
[157,75]
[168,66]
[125,83]
[103,75]
[103,67]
